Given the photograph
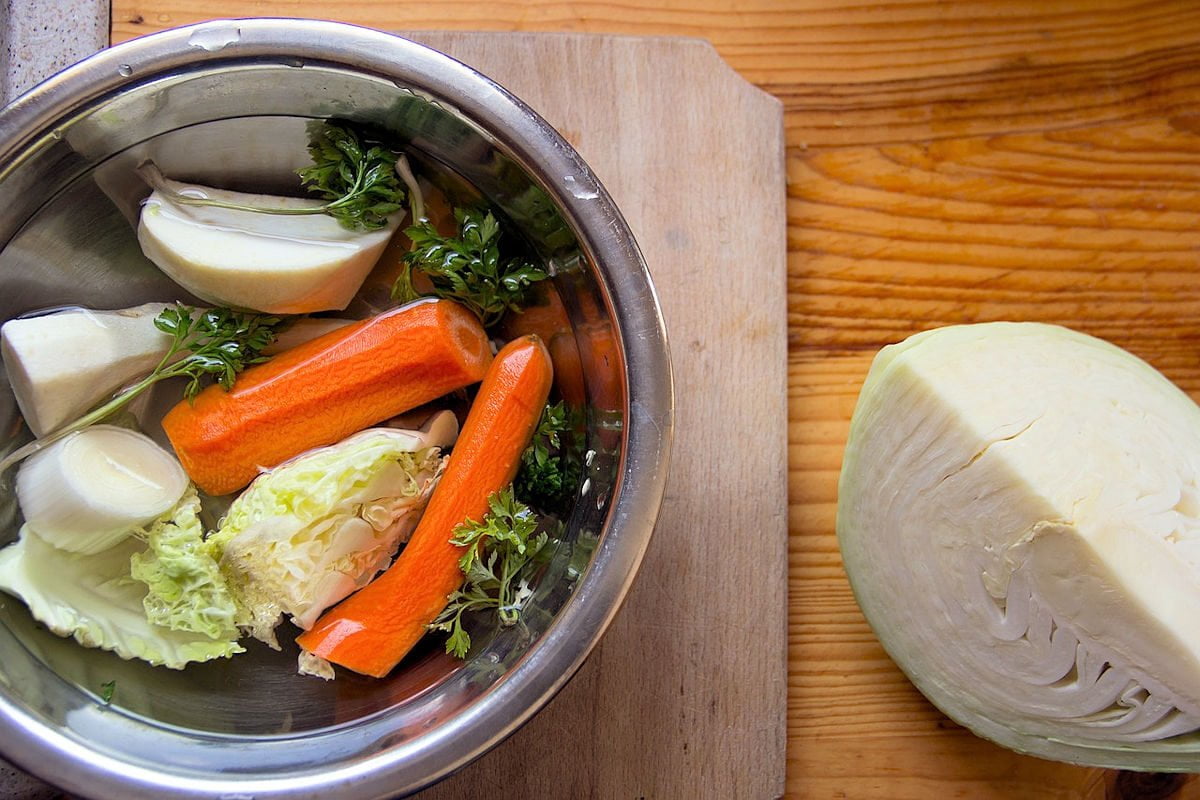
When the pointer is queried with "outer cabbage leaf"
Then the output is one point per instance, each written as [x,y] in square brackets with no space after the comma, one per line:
[313,530]
[93,599]
[186,589]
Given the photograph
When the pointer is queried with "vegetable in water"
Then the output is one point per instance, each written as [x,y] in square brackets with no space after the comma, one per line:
[497,551]
[1019,516]
[269,263]
[282,255]
[370,631]
[96,600]
[308,533]
[114,552]
[89,490]
[61,365]
[468,267]
[185,588]
[326,389]
[550,471]
[359,176]
[217,343]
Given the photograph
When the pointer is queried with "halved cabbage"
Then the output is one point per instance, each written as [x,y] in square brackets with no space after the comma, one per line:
[309,532]
[1019,516]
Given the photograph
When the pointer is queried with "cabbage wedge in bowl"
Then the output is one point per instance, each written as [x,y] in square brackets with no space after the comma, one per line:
[1019,517]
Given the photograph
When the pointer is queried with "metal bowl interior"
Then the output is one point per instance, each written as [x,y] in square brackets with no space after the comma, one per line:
[227,104]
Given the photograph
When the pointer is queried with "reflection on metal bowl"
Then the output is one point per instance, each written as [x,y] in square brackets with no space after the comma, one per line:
[226,103]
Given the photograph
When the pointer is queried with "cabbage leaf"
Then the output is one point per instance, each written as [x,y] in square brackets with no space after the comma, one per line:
[94,599]
[186,589]
[313,530]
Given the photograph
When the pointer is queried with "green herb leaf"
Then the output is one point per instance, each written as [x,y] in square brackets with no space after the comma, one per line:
[107,690]
[357,175]
[550,465]
[499,551]
[468,267]
[219,343]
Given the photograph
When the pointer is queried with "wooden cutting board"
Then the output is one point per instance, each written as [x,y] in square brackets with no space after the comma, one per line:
[686,696]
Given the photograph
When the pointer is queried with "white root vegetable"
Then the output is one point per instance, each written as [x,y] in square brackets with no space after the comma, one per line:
[61,365]
[87,491]
[264,262]
[1019,516]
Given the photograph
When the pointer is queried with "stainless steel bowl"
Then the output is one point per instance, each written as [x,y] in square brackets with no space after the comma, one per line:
[226,103]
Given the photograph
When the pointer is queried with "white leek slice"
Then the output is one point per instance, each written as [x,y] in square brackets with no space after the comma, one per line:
[265,262]
[85,492]
[1019,516]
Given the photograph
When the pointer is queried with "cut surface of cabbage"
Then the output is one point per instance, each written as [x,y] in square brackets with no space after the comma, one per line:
[1019,517]
[311,531]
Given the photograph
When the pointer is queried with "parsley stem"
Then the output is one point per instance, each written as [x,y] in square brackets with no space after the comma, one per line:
[154,177]
[416,200]
[188,200]
[91,418]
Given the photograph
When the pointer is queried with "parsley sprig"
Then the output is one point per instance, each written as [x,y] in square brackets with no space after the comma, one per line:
[498,551]
[467,267]
[217,343]
[355,173]
[550,469]
[357,176]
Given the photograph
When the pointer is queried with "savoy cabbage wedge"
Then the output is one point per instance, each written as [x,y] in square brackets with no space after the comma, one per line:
[94,599]
[309,532]
[1019,517]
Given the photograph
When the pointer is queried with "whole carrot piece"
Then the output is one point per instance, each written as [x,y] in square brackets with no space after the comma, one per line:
[325,389]
[370,631]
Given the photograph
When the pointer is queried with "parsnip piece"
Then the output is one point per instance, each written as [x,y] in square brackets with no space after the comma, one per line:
[61,365]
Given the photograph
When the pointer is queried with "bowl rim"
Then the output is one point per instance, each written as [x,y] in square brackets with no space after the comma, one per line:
[635,312]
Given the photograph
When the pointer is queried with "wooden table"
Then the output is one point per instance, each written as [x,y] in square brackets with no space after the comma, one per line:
[947,162]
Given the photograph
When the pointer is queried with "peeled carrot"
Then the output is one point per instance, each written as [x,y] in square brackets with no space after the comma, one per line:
[325,389]
[370,631]
[547,318]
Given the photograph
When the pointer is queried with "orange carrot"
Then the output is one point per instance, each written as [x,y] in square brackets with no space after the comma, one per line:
[370,631]
[547,318]
[320,392]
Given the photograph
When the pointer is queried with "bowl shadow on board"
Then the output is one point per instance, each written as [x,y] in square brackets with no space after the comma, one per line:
[258,694]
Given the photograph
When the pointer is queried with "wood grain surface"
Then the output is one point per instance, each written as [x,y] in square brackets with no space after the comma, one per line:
[946,162]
